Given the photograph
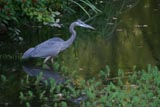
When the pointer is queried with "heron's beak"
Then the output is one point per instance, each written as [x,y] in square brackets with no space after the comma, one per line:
[88,26]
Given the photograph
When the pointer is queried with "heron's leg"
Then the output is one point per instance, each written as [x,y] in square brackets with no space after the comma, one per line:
[52,60]
[46,59]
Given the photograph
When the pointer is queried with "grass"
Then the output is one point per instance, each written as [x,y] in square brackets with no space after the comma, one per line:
[139,88]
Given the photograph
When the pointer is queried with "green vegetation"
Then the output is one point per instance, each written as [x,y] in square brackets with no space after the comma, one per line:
[40,10]
[86,85]
[137,88]
[15,14]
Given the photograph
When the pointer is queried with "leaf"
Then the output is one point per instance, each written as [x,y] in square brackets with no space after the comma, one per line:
[81,7]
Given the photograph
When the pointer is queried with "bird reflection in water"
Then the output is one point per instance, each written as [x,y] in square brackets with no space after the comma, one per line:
[46,74]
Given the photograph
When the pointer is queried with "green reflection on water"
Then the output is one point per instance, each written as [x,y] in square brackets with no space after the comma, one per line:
[134,42]
[138,42]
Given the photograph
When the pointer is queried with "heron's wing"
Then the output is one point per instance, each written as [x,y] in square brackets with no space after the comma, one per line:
[27,54]
[50,47]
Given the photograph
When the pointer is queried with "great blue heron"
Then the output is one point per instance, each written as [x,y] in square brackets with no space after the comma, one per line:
[51,48]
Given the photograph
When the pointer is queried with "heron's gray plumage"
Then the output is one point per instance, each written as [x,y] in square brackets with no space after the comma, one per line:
[47,48]
[53,46]
[27,53]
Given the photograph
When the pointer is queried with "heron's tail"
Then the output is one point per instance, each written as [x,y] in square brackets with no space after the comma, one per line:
[27,54]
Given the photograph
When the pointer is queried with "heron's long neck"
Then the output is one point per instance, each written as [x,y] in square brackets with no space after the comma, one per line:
[72,38]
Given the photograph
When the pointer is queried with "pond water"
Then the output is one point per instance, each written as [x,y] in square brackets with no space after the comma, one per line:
[131,38]
[134,41]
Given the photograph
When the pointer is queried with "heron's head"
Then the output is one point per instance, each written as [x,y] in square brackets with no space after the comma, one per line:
[82,24]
